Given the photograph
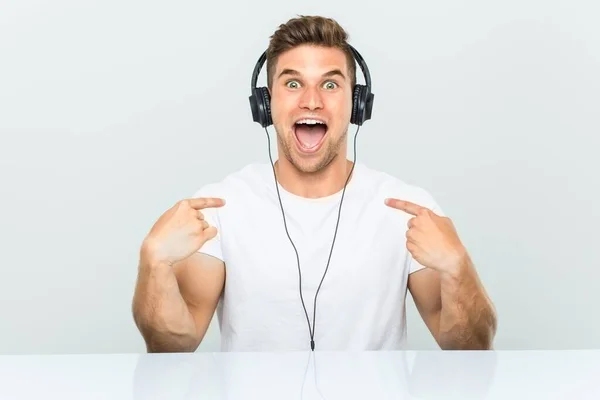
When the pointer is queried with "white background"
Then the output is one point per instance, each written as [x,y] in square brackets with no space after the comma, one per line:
[112,111]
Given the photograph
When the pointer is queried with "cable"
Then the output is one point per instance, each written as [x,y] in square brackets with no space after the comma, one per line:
[311,332]
[291,241]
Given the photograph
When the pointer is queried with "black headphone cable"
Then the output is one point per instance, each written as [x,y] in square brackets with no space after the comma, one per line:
[311,331]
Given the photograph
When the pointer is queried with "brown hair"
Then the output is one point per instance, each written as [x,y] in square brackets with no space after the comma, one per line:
[314,30]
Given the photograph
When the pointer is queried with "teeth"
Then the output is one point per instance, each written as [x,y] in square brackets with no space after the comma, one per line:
[309,121]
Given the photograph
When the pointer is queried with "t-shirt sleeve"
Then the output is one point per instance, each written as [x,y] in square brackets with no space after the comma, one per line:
[212,247]
[426,200]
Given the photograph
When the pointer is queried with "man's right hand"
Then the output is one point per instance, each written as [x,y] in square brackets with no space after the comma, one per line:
[180,231]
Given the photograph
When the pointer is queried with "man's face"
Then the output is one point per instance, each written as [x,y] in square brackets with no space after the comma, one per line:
[311,103]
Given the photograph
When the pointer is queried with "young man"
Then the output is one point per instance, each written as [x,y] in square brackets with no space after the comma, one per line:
[321,260]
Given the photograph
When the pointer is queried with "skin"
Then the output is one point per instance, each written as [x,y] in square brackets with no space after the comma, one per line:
[448,292]
[177,290]
[312,81]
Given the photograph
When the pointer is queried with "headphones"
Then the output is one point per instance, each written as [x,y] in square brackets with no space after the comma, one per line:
[362,98]
[362,106]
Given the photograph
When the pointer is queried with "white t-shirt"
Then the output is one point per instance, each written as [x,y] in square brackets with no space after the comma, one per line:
[361,303]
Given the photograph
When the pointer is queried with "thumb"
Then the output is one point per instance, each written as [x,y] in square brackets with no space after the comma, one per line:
[208,234]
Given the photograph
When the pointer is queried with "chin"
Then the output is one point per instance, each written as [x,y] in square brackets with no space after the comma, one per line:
[307,167]
[312,162]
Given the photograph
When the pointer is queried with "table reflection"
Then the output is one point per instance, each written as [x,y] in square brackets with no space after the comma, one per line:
[318,375]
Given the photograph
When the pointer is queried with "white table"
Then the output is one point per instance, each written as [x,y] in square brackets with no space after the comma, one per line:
[504,375]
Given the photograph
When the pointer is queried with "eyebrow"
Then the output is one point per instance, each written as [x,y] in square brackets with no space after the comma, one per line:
[293,72]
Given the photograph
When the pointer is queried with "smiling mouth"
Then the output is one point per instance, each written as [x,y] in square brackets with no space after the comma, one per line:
[310,134]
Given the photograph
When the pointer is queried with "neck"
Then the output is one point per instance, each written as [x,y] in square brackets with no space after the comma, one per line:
[325,182]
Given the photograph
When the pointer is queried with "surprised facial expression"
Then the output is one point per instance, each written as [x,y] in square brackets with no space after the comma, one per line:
[311,101]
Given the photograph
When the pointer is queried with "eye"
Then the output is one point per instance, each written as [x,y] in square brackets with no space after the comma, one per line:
[330,85]
[293,84]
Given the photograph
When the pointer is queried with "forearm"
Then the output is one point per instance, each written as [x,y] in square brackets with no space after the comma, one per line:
[468,317]
[160,313]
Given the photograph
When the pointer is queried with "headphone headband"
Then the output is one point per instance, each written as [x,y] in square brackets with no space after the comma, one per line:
[363,66]
[362,98]
[261,61]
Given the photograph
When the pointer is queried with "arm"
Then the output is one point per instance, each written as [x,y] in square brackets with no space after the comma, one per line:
[173,305]
[177,288]
[448,293]
[455,307]
[468,317]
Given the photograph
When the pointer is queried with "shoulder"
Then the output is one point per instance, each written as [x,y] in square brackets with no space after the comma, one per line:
[243,190]
[251,177]
[387,185]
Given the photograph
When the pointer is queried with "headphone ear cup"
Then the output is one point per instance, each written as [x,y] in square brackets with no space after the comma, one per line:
[260,105]
[369,97]
[358,105]
[266,106]
[362,104]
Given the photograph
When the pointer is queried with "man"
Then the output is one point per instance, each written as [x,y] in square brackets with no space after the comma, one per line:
[291,266]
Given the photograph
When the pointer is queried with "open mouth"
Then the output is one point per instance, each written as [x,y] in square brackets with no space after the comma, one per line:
[310,134]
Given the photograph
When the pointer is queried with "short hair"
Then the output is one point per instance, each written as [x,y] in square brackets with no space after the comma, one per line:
[312,30]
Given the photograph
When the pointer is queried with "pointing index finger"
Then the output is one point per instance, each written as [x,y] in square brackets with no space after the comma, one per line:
[403,205]
[206,202]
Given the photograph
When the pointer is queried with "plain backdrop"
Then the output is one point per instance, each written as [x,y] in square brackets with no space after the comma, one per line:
[112,111]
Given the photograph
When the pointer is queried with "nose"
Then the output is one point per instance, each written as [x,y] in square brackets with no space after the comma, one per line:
[311,99]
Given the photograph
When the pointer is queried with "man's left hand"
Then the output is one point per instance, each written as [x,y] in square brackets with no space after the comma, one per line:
[431,239]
